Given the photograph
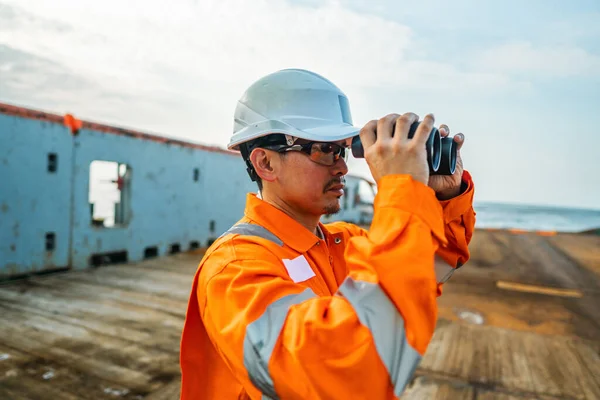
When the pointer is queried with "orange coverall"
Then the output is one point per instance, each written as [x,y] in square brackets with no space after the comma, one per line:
[276,312]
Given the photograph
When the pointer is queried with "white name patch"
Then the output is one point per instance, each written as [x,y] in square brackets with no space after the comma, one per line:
[299,269]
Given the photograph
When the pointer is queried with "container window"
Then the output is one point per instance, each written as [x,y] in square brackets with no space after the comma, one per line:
[52,162]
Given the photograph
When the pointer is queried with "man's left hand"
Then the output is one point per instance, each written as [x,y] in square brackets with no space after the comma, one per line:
[449,186]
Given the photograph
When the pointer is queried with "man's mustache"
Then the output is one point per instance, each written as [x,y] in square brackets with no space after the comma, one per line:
[334,182]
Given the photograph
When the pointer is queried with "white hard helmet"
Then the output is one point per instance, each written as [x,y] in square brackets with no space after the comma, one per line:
[296,103]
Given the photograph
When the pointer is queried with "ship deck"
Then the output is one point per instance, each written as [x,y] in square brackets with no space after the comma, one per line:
[521,320]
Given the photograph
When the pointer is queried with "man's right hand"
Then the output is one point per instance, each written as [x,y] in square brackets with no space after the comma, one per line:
[388,154]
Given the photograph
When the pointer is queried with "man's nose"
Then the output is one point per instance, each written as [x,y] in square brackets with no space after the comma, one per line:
[340,167]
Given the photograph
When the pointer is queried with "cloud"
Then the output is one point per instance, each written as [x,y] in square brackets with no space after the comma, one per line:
[144,46]
[37,82]
[181,67]
[54,84]
[177,69]
[235,41]
[549,61]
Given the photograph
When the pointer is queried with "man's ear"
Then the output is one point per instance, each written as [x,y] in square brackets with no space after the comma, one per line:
[263,162]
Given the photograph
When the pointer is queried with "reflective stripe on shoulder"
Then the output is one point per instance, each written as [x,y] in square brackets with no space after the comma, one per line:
[443,270]
[254,230]
[260,339]
[376,311]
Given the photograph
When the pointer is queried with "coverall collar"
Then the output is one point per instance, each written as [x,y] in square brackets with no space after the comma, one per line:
[290,231]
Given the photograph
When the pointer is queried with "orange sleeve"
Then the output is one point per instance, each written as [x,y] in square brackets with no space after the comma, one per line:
[459,225]
[282,340]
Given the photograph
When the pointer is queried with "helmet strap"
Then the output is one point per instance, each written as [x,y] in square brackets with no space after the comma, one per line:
[249,167]
[246,148]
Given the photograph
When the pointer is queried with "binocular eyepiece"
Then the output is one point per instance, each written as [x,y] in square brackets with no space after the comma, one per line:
[441,152]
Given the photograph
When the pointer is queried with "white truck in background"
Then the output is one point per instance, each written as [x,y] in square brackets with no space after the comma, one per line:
[356,203]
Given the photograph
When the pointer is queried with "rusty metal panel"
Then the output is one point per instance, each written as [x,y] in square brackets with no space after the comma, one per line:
[175,196]
[35,189]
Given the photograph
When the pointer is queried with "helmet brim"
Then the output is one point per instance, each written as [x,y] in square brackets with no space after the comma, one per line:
[326,133]
[331,133]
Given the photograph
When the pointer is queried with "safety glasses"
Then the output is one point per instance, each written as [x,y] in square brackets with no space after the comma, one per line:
[323,153]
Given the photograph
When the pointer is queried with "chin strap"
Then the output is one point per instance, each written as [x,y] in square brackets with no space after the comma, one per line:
[249,166]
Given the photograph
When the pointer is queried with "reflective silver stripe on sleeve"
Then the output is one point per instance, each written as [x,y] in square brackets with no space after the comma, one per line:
[261,336]
[254,230]
[443,270]
[376,311]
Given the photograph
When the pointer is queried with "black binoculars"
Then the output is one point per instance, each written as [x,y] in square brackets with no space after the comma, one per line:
[441,152]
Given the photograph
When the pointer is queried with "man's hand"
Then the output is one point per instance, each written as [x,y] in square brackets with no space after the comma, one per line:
[449,186]
[388,154]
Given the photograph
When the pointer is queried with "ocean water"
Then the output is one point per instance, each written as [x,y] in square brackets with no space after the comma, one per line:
[515,216]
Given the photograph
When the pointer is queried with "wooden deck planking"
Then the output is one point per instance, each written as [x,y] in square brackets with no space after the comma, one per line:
[95,296]
[109,335]
[424,388]
[529,259]
[79,289]
[26,376]
[99,355]
[27,388]
[173,263]
[514,362]
[151,335]
[118,328]
[97,308]
[577,247]
[169,391]
[157,283]
[534,259]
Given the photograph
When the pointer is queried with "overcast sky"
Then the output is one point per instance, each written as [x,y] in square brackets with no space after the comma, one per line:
[520,79]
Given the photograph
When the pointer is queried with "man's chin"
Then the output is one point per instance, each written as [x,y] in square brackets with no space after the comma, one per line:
[332,209]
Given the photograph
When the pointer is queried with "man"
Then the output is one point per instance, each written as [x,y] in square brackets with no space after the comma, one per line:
[284,307]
